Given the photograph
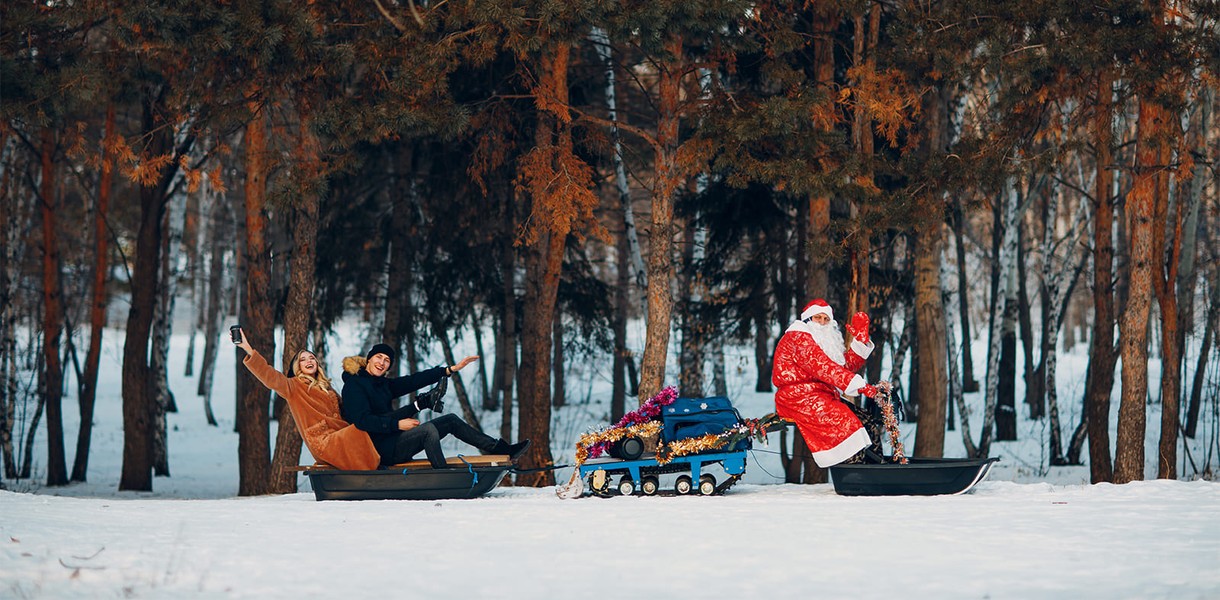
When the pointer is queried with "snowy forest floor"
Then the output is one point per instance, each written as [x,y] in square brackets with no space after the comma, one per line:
[1029,531]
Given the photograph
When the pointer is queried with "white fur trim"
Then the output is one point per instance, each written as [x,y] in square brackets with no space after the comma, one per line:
[815,309]
[853,386]
[846,449]
[862,350]
[799,325]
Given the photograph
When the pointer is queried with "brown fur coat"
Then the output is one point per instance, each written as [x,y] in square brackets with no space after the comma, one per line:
[316,411]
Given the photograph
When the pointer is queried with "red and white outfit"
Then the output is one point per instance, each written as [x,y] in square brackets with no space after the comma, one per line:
[810,371]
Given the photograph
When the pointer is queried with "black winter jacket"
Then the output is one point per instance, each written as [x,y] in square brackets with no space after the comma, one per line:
[368,403]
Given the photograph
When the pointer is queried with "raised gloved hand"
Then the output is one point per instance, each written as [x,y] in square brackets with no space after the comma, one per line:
[868,390]
[858,328]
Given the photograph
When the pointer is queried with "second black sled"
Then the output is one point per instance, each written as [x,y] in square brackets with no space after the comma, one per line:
[919,477]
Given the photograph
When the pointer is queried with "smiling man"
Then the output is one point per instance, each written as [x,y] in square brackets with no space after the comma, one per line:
[368,403]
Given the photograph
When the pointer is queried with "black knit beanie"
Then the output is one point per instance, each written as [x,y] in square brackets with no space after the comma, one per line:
[382,349]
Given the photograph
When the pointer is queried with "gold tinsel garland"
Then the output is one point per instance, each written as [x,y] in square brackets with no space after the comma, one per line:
[614,434]
[756,428]
[695,445]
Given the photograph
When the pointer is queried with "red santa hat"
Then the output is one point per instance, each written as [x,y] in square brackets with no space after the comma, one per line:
[818,306]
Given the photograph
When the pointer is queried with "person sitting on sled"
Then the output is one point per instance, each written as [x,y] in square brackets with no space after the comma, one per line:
[368,396]
[812,369]
[315,409]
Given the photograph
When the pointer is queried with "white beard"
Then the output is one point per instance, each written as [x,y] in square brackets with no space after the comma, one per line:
[830,339]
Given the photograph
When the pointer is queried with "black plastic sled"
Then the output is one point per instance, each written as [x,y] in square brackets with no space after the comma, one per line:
[466,477]
[919,477]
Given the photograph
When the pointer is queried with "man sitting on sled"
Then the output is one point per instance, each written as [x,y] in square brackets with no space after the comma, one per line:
[811,370]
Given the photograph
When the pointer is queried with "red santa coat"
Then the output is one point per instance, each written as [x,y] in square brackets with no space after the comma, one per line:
[808,386]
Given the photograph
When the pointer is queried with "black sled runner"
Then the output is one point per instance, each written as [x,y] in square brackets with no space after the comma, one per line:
[466,477]
[919,477]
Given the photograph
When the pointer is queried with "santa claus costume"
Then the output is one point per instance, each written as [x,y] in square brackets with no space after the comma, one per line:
[811,370]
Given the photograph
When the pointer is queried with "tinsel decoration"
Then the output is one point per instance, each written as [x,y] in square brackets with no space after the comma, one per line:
[891,423]
[593,444]
[641,422]
[747,428]
[647,412]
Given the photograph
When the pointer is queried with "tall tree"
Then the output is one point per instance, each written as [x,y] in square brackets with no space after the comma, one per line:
[52,327]
[1102,355]
[257,314]
[298,308]
[99,296]
[558,188]
[1141,203]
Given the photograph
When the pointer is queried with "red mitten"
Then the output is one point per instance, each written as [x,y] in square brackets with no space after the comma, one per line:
[868,390]
[859,327]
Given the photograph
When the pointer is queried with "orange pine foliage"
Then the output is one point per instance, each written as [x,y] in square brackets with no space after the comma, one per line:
[886,98]
[561,186]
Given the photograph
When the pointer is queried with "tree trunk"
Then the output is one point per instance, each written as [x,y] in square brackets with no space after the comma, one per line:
[559,396]
[969,383]
[929,309]
[162,327]
[543,263]
[1006,398]
[864,43]
[1141,202]
[601,43]
[1004,260]
[298,308]
[1102,355]
[1057,292]
[97,307]
[458,387]
[955,386]
[622,307]
[1034,371]
[192,243]
[13,218]
[660,247]
[40,405]
[137,403]
[53,319]
[543,267]
[762,350]
[1166,259]
[1199,381]
[398,317]
[690,357]
[506,337]
[932,377]
[215,303]
[137,408]
[258,319]
[476,327]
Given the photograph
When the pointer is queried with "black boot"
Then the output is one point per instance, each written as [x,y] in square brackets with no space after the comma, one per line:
[516,450]
[501,447]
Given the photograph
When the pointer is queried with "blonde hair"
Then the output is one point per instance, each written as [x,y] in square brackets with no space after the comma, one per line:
[321,380]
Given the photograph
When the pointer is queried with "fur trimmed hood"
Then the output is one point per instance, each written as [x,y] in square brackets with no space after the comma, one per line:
[353,364]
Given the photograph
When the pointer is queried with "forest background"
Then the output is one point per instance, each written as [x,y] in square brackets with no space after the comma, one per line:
[1036,174]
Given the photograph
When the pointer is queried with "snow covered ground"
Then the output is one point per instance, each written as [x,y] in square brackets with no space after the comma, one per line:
[1030,531]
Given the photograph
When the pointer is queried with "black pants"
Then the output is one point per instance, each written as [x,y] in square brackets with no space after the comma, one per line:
[428,436]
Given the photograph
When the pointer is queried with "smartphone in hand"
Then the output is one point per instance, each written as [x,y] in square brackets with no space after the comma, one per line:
[235,334]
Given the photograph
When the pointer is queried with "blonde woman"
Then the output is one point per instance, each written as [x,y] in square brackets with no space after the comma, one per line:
[315,408]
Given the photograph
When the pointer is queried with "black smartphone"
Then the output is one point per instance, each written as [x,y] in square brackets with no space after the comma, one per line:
[235,334]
